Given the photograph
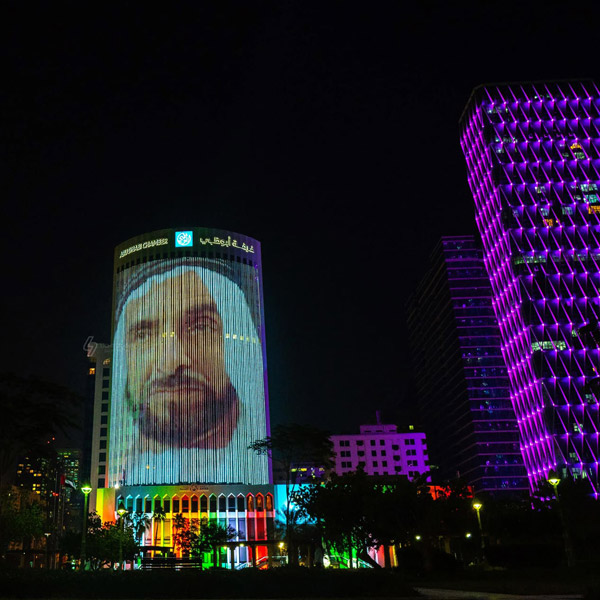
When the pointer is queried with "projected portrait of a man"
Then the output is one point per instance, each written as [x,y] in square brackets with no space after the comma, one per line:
[188,386]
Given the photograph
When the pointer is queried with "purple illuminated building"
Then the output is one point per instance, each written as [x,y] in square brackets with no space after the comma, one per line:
[533,160]
[460,375]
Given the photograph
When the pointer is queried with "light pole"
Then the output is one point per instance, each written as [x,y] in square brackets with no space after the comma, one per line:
[554,480]
[86,489]
[477,506]
[121,511]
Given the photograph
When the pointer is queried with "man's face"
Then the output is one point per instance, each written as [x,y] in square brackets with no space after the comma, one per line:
[177,381]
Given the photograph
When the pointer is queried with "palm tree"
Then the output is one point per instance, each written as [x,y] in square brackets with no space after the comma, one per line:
[139,522]
[158,516]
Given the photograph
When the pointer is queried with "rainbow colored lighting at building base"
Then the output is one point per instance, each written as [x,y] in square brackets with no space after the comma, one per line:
[533,161]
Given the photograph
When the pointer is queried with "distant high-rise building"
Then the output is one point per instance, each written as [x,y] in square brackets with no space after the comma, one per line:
[460,375]
[533,160]
[381,449]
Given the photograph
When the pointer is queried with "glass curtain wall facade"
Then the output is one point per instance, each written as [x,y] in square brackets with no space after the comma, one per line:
[533,162]
[462,384]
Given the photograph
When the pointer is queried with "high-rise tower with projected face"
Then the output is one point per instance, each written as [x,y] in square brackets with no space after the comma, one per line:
[189,391]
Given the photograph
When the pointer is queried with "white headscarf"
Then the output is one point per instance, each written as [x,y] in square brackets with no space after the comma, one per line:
[132,458]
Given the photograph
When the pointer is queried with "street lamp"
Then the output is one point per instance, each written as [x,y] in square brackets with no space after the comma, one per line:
[477,506]
[121,511]
[554,480]
[86,489]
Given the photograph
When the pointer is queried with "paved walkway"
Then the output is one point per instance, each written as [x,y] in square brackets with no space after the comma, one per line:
[437,594]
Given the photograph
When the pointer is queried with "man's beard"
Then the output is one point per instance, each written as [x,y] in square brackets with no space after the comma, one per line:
[183,413]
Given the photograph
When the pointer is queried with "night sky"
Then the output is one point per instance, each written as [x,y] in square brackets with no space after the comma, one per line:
[326,130]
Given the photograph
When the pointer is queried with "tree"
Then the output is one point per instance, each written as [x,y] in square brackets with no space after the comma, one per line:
[355,512]
[139,523]
[195,537]
[185,533]
[32,412]
[106,540]
[158,516]
[290,445]
[212,536]
[21,519]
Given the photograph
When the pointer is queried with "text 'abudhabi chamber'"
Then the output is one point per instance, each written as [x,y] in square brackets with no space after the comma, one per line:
[189,379]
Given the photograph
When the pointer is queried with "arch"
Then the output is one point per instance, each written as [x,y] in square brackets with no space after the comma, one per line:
[212,503]
[269,502]
[231,503]
[185,504]
[166,502]
[241,504]
[222,503]
[157,504]
[260,502]
[194,504]
[176,504]
[147,504]
[203,503]
[250,502]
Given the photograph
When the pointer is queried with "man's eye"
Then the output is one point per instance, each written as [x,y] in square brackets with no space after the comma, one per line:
[202,324]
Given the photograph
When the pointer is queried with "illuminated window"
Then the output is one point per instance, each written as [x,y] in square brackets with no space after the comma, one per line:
[269,502]
[106,361]
[92,371]
[250,504]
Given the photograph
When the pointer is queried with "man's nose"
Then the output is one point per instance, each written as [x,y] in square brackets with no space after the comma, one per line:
[172,355]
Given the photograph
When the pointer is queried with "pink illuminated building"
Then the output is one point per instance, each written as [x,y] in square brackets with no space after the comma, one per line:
[381,450]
